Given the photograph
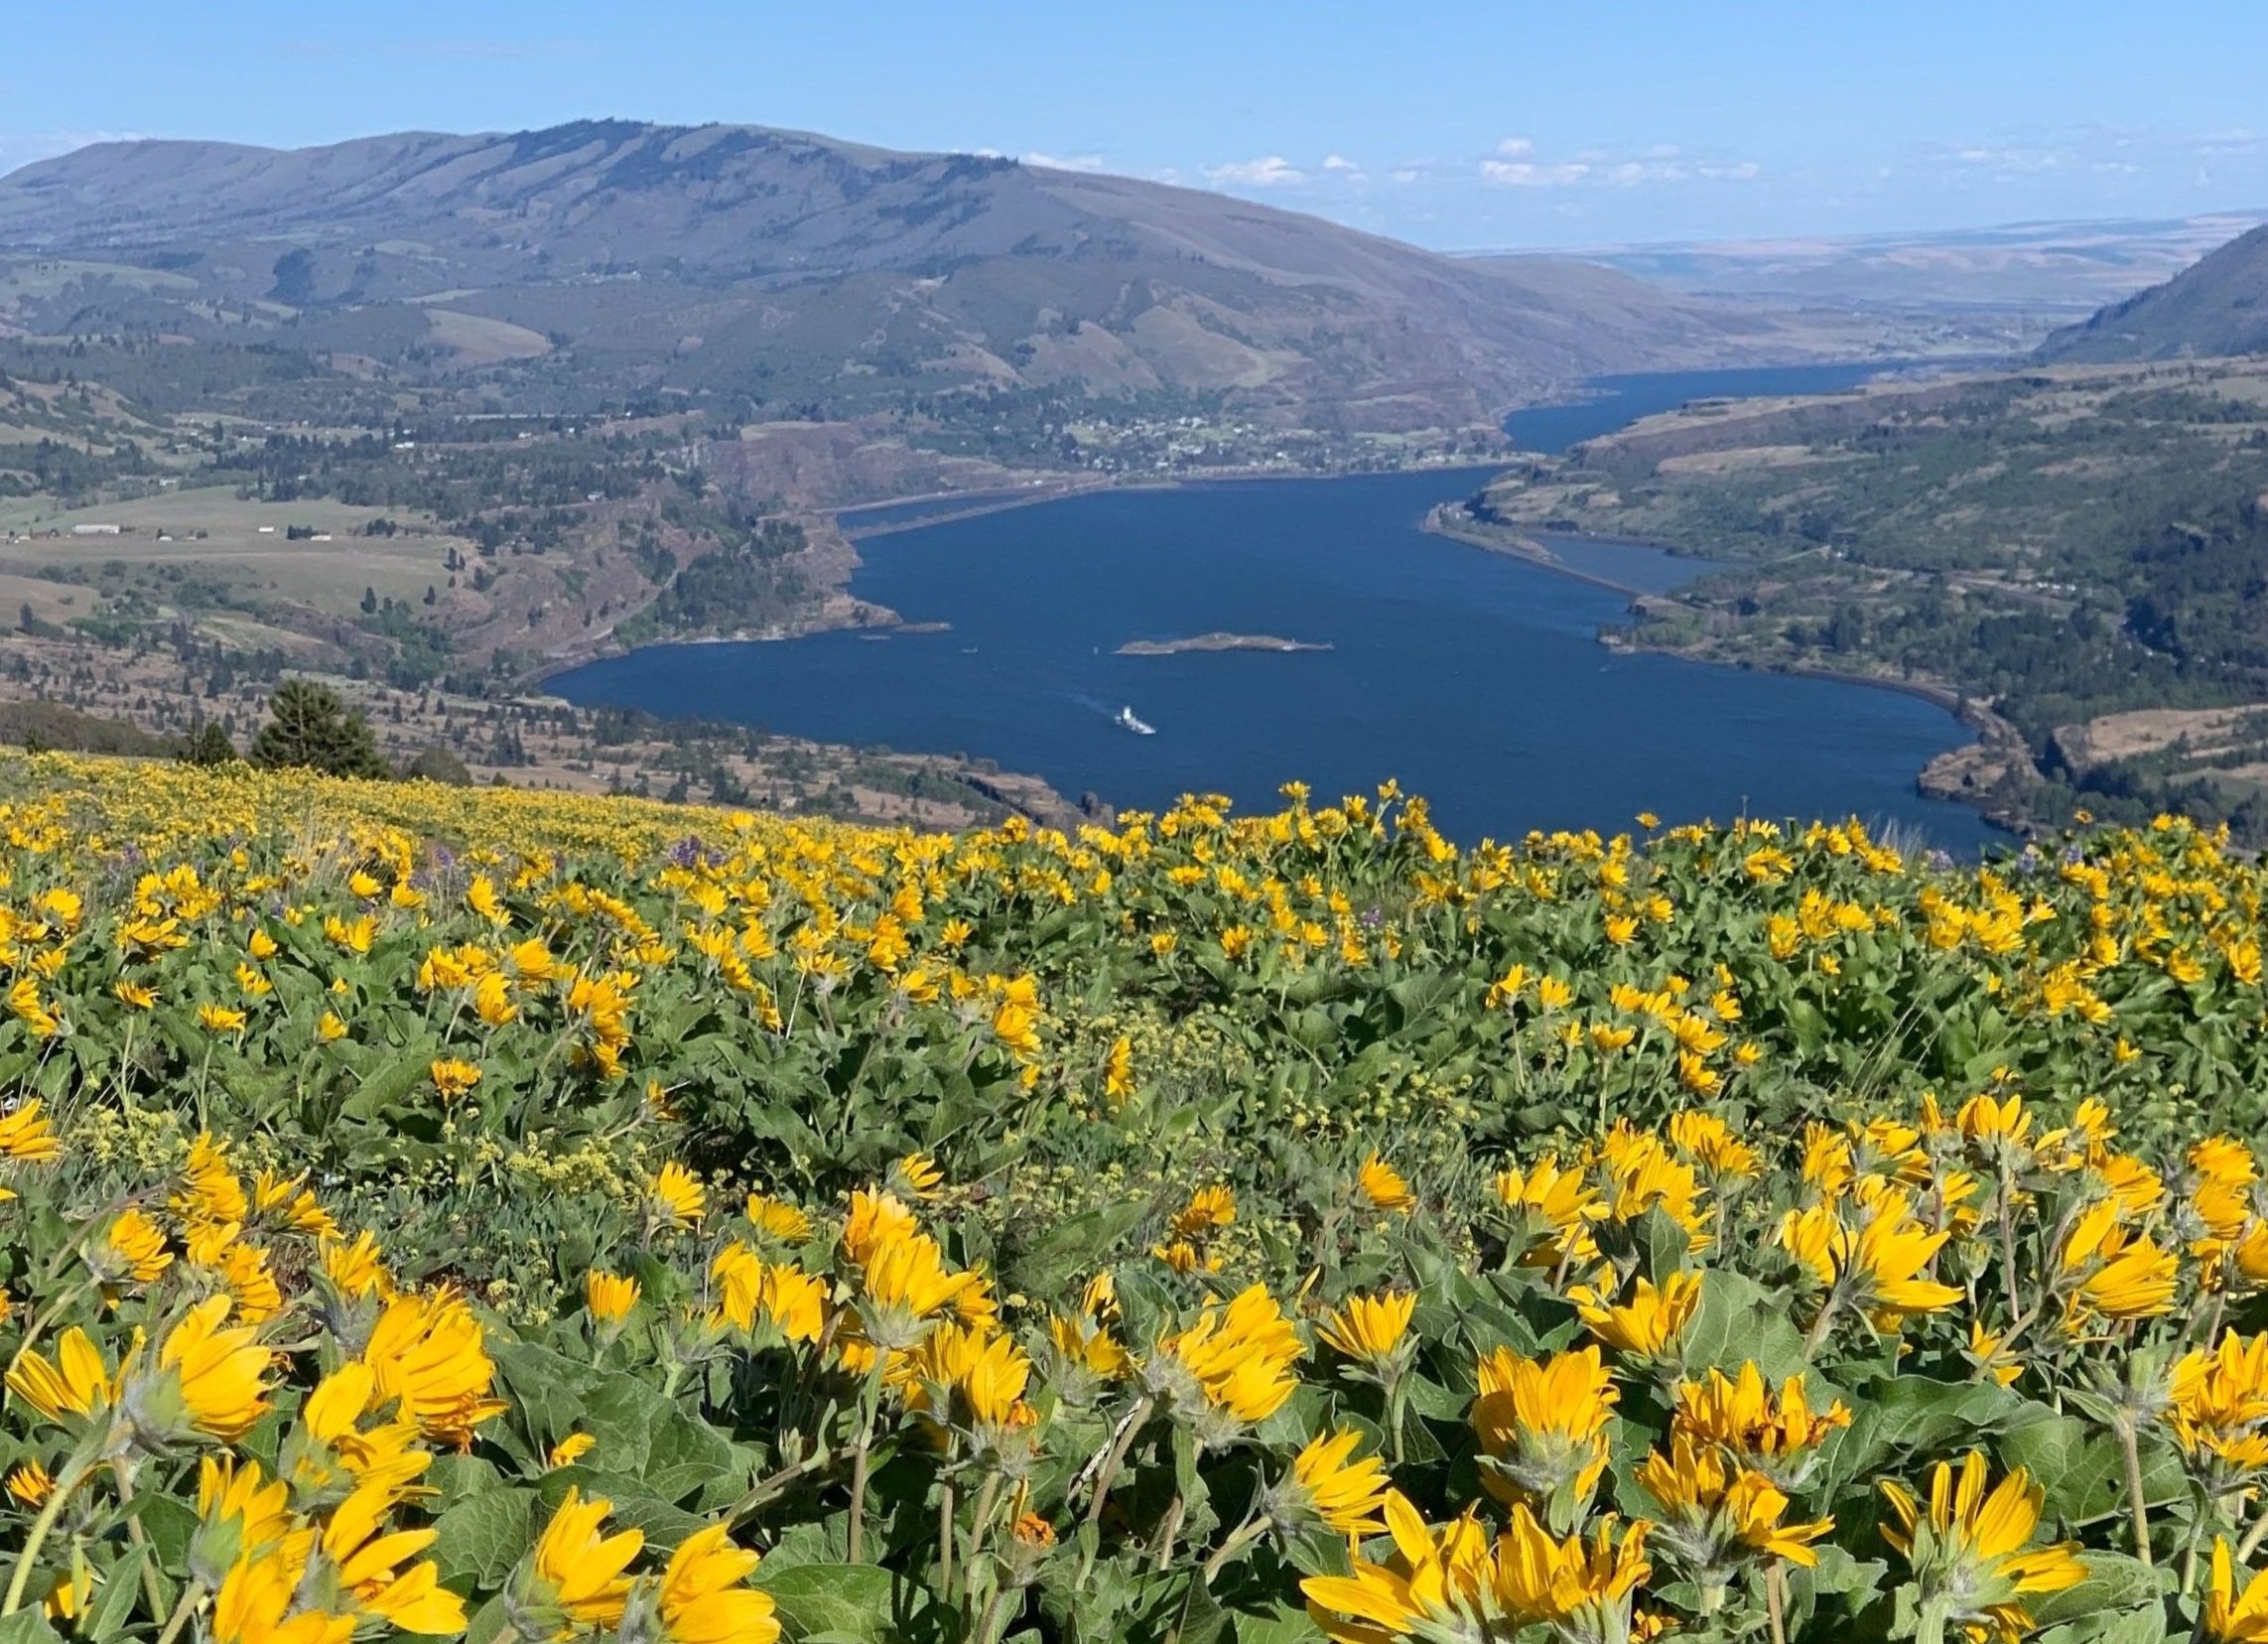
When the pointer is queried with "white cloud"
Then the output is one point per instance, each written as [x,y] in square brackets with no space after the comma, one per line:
[1339,162]
[1062,162]
[1271,171]
[1406,174]
[1518,165]
[1528,174]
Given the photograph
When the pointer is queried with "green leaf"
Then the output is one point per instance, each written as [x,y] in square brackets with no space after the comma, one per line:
[484,1536]
[2115,1582]
[838,1600]
[1282,1624]
[114,1609]
[1737,1321]
[27,1626]
[1049,1265]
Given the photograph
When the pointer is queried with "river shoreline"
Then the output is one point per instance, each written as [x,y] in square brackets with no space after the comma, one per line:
[1994,735]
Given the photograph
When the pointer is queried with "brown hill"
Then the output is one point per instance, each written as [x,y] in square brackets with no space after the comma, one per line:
[607,256]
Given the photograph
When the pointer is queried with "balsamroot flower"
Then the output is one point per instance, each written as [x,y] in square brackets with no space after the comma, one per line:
[1451,1583]
[240,1514]
[1875,1268]
[1970,1549]
[369,1561]
[260,1600]
[700,1598]
[968,1379]
[609,1299]
[573,1578]
[1374,1331]
[777,1219]
[1552,1208]
[132,1246]
[1648,1325]
[1778,1435]
[77,1383]
[2232,1618]
[26,1138]
[2219,1410]
[1231,1369]
[875,1219]
[1208,1210]
[1717,1516]
[427,1355]
[676,1196]
[211,1380]
[904,1286]
[2105,1272]
[1329,1485]
[1380,1186]
[1542,1428]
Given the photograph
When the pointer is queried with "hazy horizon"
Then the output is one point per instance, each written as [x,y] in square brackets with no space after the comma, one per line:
[1452,125]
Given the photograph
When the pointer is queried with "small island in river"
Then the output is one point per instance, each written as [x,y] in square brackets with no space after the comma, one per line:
[1216,643]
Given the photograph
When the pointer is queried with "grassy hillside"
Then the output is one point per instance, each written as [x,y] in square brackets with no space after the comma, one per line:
[2052,548]
[2213,307]
[605,258]
[525,1218]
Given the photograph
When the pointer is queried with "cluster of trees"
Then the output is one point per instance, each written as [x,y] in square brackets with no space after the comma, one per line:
[749,580]
[310,728]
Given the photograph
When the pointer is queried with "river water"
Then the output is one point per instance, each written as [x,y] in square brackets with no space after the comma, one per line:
[1472,678]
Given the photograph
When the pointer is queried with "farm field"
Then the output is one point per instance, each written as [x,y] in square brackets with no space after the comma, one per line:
[432,1212]
[256,564]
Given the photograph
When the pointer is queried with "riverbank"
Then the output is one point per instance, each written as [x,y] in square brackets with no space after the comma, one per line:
[1987,774]
[1441,522]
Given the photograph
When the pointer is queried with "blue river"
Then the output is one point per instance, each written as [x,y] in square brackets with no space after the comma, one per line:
[1474,679]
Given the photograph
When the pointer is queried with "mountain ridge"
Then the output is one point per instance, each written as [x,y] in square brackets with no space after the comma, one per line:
[2217,306]
[783,264]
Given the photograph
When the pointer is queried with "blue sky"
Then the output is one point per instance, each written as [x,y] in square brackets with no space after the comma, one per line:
[1458,126]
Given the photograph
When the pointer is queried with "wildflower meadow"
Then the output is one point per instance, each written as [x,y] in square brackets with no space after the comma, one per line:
[441,1213]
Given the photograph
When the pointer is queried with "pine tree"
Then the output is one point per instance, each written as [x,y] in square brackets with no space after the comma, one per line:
[208,745]
[309,727]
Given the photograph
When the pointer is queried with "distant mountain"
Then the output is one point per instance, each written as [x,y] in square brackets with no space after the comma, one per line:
[610,255]
[2074,266]
[2217,306]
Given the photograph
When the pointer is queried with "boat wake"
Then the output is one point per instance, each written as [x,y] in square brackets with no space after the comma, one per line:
[1122,717]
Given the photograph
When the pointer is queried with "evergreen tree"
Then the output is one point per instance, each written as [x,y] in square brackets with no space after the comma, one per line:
[208,745]
[309,727]
[438,765]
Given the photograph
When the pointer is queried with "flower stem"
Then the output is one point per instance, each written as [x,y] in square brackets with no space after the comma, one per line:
[1105,1477]
[863,1454]
[1168,1531]
[2130,1445]
[1109,1472]
[122,1470]
[2252,1539]
[1817,1337]
[192,1597]
[945,1533]
[1243,1537]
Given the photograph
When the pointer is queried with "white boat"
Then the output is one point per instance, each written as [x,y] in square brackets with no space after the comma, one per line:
[1125,720]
